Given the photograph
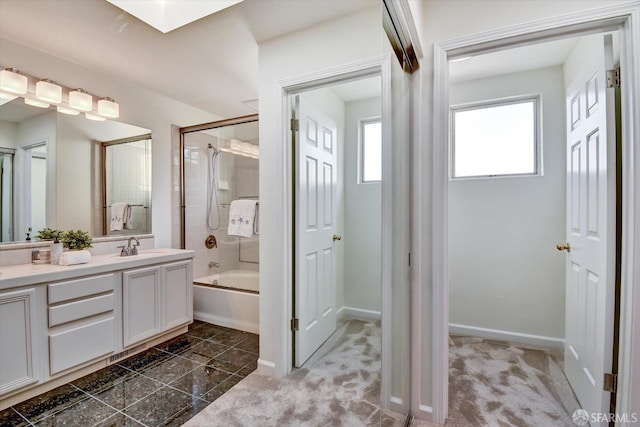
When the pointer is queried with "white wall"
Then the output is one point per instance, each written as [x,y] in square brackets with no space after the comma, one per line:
[8,134]
[363,216]
[137,105]
[338,42]
[437,21]
[504,270]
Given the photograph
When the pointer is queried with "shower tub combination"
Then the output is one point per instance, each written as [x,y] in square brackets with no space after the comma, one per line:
[219,168]
[229,299]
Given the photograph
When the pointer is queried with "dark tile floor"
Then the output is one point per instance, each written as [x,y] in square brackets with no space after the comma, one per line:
[163,386]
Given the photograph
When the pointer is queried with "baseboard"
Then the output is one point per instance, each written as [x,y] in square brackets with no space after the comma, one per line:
[266,368]
[358,313]
[499,335]
[425,413]
[395,405]
[225,321]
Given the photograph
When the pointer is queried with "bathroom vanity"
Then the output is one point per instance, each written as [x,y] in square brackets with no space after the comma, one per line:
[59,323]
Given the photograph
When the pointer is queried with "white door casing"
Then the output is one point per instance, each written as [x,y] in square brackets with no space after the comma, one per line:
[590,225]
[315,266]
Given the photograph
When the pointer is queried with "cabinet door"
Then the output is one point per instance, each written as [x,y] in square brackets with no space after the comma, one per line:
[18,335]
[141,299]
[178,294]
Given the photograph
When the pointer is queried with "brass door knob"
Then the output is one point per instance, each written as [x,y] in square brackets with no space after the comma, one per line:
[563,247]
[336,237]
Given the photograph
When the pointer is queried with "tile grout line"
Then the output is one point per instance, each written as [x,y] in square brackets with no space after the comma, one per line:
[22,416]
[118,411]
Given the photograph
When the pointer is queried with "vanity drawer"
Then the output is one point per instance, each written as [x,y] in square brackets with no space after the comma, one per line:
[78,345]
[74,289]
[80,309]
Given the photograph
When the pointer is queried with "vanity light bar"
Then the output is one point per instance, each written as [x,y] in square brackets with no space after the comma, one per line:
[44,92]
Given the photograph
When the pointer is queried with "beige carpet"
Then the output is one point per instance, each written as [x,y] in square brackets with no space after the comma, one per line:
[497,384]
[340,386]
[490,384]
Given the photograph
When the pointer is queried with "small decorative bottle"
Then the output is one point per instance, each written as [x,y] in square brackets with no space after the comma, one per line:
[56,251]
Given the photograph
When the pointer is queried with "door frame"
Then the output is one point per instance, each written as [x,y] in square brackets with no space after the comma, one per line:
[623,18]
[286,89]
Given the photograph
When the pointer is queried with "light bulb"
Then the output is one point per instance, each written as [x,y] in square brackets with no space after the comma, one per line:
[49,91]
[14,82]
[107,107]
[80,100]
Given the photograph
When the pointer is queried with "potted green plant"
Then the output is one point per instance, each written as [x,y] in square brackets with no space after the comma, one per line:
[49,234]
[76,240]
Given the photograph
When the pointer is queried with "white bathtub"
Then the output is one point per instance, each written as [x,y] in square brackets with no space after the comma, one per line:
[229,306]
[235,279]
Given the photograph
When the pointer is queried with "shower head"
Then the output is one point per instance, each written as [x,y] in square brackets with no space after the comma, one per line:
[211,147]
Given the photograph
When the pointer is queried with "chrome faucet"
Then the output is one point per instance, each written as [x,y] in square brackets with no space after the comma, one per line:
[134,248]
[130,250]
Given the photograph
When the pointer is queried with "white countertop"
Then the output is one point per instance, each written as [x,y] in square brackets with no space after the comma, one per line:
[30,274]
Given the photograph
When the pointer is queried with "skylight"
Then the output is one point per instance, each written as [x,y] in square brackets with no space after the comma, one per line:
[167,15]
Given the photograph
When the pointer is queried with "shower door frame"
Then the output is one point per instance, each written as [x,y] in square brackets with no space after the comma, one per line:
[197,128]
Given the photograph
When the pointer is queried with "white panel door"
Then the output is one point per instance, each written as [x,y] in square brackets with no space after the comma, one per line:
[316,176]
[590,228]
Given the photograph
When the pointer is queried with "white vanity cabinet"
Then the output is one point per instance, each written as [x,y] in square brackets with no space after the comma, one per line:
[58,323]
[82,322]
[155,300]
[20,345]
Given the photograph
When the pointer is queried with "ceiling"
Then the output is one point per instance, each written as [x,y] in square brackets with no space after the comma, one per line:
[211,64]
[512,60]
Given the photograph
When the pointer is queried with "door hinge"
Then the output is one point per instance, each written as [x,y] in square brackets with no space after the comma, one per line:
[295,125]
[610,382]
[294,324]
[613,78]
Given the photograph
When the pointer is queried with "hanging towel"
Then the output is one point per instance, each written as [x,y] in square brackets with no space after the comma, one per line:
[127,217]
[256,223]
[117,215]
[242,217]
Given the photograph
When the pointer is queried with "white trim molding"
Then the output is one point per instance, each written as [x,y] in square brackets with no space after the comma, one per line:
[285,89]
[266,368]
[624,18]
[359,313]
[507,336]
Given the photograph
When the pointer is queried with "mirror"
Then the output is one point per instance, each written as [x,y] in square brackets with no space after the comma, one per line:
[6,195]
[54,171]
[126,190]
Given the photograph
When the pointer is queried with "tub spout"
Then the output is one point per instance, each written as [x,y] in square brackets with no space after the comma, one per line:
[214,264]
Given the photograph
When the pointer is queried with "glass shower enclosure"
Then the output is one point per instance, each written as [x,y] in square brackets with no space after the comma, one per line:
[220,202]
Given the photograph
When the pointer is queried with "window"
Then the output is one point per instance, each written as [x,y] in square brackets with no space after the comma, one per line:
[500,138]
[370,151]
